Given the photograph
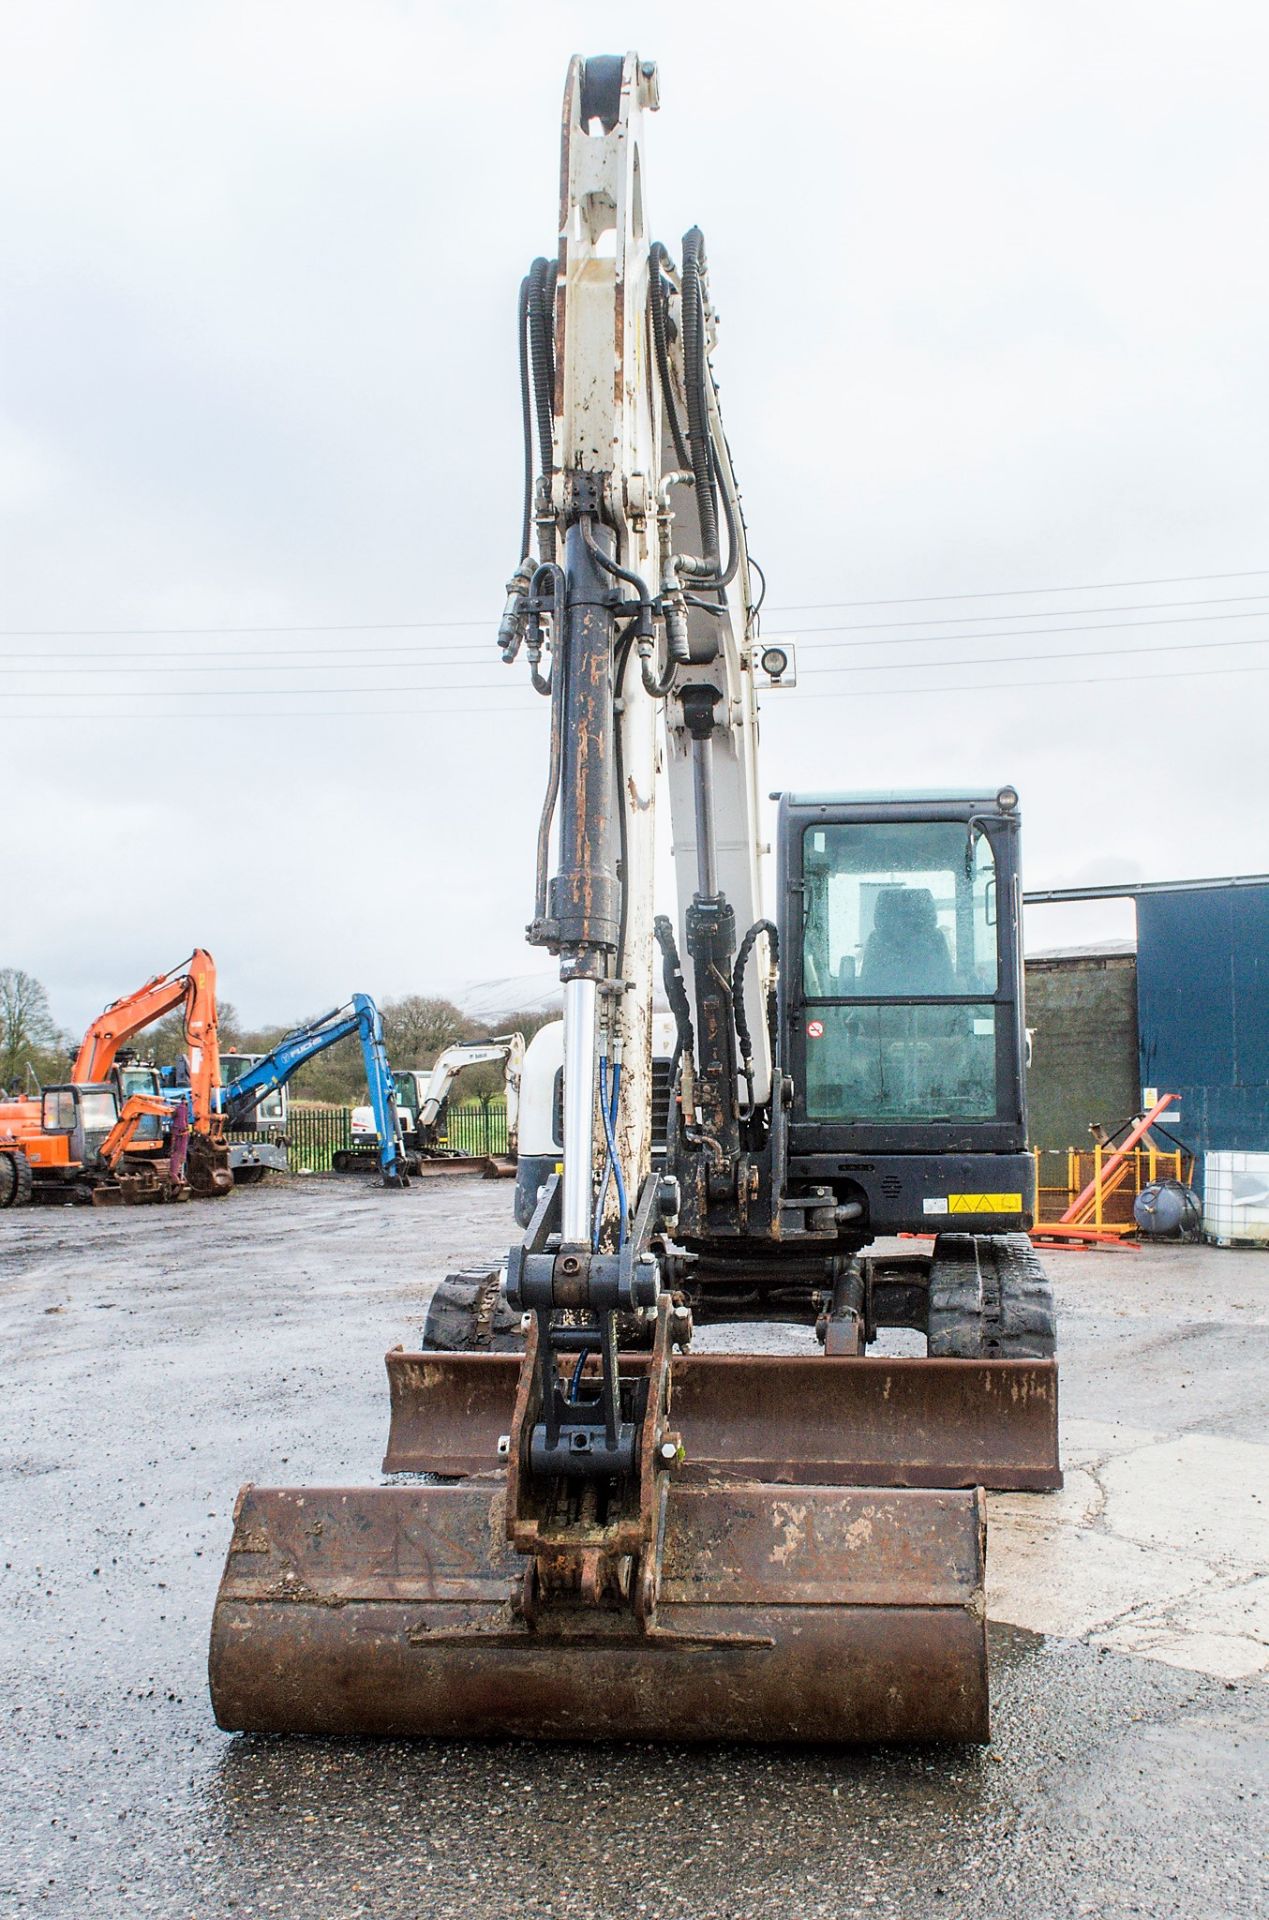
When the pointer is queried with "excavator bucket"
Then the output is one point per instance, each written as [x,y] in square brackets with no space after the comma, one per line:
[207,1167]
[814,1614]
[821,1566]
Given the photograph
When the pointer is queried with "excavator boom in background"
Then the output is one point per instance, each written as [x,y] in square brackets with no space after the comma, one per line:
[238,1103]
[635,1539]
[192,988]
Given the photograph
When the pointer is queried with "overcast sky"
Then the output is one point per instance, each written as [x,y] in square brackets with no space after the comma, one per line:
[994,288]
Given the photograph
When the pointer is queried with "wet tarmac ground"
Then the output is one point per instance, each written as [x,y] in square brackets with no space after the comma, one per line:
[156,1358]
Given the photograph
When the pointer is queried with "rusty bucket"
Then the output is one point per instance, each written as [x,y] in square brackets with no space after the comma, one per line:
[822,1614]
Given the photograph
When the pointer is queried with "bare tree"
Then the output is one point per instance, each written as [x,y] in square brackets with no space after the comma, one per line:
[164,1042]
[418,1026]
[27,1030]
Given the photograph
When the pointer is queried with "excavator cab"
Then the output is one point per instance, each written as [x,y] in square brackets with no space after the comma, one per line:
[901,1008]
[131,1075]
[75,1123]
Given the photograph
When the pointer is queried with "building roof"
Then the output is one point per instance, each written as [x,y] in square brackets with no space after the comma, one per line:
[1133,889]
[1088,950]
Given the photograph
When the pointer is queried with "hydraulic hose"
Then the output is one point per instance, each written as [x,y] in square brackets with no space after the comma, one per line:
[609,1103]
[675,989]
[696,373]
[526,414]
[548,571]
[558,674]
[658,308]
[541,331]
[658,685]
[738,994]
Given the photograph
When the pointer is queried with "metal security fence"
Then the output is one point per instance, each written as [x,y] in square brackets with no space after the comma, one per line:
[316,1134]
[476,1129]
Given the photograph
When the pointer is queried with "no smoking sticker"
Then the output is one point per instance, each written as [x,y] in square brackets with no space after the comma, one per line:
[815,1029]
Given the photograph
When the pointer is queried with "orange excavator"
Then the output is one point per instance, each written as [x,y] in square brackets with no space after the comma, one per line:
[75,1142]
[67,1139]
[192,986]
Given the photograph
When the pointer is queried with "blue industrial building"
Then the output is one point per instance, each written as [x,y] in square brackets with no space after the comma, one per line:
[1202,1002]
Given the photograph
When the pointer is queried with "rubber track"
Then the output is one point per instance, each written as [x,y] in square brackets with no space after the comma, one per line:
[990,1298]
[468,1313]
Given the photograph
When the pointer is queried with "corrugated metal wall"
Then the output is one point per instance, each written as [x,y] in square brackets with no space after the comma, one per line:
[1203,1011]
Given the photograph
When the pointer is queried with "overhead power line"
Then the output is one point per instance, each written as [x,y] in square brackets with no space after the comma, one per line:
[1026,633]
[490,620]
[1018,593]
[473,686]
[161,665]
[901,692]
[1019,659]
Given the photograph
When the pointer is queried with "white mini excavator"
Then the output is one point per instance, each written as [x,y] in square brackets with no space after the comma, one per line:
[592,1529]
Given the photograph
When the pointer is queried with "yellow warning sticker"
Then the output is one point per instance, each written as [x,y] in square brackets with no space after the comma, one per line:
[984,1203]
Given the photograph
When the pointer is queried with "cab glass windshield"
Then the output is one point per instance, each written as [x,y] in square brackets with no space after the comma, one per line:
[905,910]
[899,943]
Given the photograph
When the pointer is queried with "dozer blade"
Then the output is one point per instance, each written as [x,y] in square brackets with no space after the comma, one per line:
[808,1614]
[438,1166]
[785,1418]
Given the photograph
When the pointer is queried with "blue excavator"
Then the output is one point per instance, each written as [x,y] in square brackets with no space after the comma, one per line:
[240,1101]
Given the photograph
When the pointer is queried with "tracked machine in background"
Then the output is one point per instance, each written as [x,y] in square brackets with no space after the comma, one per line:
[102,1059]
[103,1135]
[636,1539]
[77,1143]
[422,1098]
[271,1071]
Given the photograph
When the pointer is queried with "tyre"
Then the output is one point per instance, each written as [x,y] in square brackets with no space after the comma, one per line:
[8,1179]
[468,1313]
[249,1176]
[25,1189]
[990,1299]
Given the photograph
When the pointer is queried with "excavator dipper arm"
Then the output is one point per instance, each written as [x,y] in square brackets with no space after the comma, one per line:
[505,1050]
[362,1017]
[191,986]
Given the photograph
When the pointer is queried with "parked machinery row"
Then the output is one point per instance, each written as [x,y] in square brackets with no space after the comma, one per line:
[121,1129]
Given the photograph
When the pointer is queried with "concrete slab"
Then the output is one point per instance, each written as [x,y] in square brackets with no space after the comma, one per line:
[1153,1546]
[153,1359]
[1217,1630]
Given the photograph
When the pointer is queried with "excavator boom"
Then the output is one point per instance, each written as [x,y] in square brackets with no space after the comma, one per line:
[192,987]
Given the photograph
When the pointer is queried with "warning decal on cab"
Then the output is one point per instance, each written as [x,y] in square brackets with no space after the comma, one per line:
[815,1029]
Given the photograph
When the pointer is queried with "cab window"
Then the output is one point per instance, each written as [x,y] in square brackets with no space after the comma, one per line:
[899,963]
[58,1113]
[903,910]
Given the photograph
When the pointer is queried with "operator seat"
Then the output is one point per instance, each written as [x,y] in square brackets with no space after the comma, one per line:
[906,952]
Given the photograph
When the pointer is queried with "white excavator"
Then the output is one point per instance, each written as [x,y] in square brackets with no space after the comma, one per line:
[594,1529]
[422,1095]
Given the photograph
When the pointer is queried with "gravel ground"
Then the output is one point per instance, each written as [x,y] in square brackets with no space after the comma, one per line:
[154,1359]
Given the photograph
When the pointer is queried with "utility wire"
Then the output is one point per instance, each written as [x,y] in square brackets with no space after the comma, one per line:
[1019,659]
[813,606]
[494,660]
[472,686]
[1017,593]
[1021,633]
[1081,687]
